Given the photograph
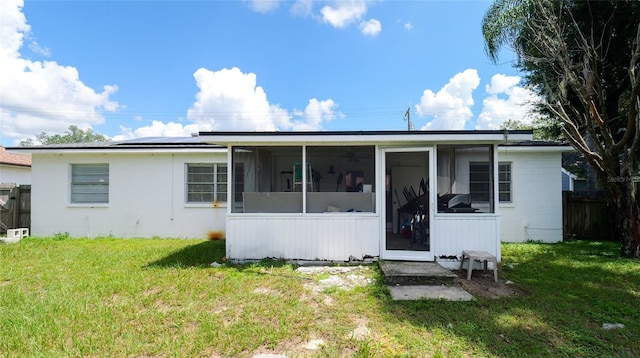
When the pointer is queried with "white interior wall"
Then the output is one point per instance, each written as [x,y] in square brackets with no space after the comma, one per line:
[459,182]
[536,211]
[147,197]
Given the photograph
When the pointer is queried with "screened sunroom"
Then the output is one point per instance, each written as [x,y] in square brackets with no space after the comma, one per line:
[273,179]
[353,195]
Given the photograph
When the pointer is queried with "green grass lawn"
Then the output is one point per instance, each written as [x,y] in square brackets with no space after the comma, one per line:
[160,297]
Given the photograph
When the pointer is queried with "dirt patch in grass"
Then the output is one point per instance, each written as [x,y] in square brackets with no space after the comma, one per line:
[340,277]
[483,285]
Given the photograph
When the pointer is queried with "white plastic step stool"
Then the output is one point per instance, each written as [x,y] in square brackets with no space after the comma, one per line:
[483,256]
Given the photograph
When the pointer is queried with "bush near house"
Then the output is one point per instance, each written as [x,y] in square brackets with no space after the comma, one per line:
[130,297]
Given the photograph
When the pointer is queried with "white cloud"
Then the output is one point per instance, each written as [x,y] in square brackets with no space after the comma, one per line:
[450,107]
[343,13]
[36,48]
[231,100]
[371,27]
[408,26]
[339,14]
[496,108]
[41,96]
[157,129]
[315,114]
[302,8]
[264,6]
[13,27]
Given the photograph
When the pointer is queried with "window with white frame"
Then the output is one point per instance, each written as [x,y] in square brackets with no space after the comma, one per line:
[238,182]
[479,181]
[504,182]
[479,184]
[206,182]
[89,183]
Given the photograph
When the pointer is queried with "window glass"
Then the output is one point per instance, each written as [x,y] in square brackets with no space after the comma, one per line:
[504,182]
[479,183]
[206,182]
[465,178]
[265,179]
[90,183]
[273,179]
[340,179]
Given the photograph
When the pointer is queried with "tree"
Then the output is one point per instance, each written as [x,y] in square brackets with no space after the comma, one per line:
[543,129]
[72,135]
[583,58]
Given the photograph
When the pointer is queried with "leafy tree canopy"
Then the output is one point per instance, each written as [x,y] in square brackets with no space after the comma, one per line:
[72,135]
[583,58]
[543,129]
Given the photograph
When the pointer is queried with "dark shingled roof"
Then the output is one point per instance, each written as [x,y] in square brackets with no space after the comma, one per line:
[136,143]
[536,143]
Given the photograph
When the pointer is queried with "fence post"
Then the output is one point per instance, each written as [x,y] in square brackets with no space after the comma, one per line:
[565,215]
[15,208]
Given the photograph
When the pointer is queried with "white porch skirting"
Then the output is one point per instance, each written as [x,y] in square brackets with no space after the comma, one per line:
[325,236]
[453,233]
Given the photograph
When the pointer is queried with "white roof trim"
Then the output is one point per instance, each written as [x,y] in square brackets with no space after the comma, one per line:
[130,151]
[536,149]
[275,138]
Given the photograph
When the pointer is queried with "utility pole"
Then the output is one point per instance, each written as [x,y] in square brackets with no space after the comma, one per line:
[407,115]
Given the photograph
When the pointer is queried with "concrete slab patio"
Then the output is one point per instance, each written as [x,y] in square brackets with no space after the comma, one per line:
[416,273]
[433,292]
[409,280]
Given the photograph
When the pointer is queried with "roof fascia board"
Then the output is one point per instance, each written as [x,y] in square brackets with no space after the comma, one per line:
[361,138]
[126,150]
[15,165]
[536,148]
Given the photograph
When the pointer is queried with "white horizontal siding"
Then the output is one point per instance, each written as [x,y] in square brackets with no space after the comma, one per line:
[305,237]
[453,233]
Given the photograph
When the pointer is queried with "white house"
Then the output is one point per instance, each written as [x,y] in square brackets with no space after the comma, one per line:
[15,168]
[152,187]
[419,195]
[532,211]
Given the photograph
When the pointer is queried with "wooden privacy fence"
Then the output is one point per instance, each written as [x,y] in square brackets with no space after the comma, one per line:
[15,207]
[585,216]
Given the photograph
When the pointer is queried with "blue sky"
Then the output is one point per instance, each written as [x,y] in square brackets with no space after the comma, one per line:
[169,68]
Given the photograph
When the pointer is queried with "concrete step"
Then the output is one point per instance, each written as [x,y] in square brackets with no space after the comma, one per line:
[411,273]
[429,292]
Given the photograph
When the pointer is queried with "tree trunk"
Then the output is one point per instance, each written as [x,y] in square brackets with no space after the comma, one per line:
[626,226]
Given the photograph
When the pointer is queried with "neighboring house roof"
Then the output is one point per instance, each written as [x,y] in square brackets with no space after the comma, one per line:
[568,173]
[14,159]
